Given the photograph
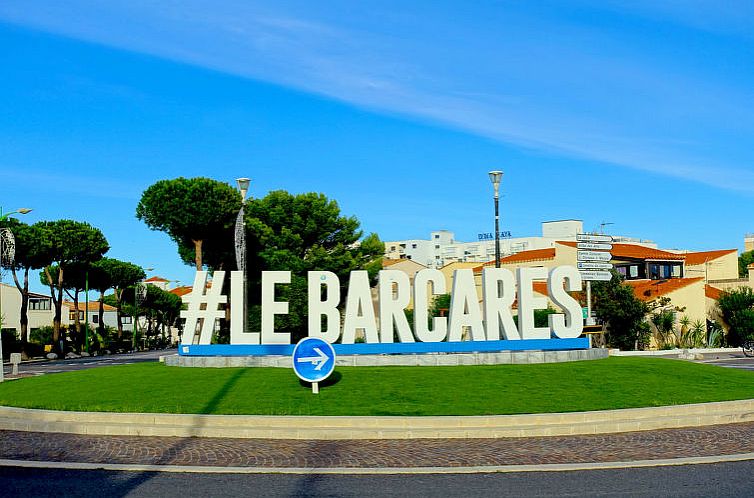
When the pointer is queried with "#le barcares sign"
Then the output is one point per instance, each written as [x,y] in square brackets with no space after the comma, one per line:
[488,320]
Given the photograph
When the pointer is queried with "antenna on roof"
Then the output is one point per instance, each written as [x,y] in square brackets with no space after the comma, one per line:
[604,224]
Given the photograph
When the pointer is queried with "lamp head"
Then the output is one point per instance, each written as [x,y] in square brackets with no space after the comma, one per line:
[24,210]
[495,178]
[243,186]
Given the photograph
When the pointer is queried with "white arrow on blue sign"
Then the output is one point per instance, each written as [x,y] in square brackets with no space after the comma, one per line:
[313,359]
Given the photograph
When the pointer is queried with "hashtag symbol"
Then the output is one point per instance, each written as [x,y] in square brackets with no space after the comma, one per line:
[202,310]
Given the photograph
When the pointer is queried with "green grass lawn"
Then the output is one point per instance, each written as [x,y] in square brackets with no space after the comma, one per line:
[616,382]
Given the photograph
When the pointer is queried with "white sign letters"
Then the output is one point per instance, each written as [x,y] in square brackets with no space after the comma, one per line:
[490,319]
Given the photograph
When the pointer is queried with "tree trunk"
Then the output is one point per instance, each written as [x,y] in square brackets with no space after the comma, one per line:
[77,318]
[24,290]
[101,327]
[198,253]
[118,295]
[57,301]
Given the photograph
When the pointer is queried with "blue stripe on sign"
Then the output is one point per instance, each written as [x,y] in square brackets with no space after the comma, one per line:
[392,348]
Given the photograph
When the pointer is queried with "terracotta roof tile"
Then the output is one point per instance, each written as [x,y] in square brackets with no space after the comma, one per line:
[525,256]
[712,292]
[647,290]
[389,262]
[93,306]
[698,258]
[181,291]
[540,287]
[634,251]
[157,279]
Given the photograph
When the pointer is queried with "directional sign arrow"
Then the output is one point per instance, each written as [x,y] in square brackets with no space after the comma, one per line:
[594,245]
[588,237]
[317,361]
[591,265]
[593,256]
[596,275]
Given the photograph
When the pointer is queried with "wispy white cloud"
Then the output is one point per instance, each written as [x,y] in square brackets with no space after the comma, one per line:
[560,86]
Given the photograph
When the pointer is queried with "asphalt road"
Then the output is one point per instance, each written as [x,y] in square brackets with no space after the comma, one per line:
[714,480]
[730,360]
[57,366]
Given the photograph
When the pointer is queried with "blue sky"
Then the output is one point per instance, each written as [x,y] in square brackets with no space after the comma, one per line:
[636,113]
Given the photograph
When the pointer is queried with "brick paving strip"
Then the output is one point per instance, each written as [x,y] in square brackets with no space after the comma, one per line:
[710,441]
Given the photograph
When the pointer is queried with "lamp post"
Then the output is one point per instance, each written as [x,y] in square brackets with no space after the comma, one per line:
[240,238]
[8,254]
[495,178]
[86,313]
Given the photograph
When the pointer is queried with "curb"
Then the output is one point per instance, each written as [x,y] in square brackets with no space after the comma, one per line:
[346,427]
[560,467]
[673,352]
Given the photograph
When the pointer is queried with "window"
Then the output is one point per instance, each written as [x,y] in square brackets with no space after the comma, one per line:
[95,318]
[126,319]
[437,246]
[437,236]
[413,246]
[39,304]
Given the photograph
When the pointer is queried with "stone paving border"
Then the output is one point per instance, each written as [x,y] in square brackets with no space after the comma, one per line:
[731,442]
[497,469]
[350,428]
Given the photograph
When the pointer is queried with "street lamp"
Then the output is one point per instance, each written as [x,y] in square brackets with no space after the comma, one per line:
[240,239]
[243,186]
[8,253]
[495,178]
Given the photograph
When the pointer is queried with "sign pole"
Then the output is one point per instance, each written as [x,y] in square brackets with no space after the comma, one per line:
[315,387]
[589,319]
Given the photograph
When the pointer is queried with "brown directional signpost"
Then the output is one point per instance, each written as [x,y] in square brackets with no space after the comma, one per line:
[593,261]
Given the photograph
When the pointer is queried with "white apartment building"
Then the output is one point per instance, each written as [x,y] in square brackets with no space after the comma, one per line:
[442,248]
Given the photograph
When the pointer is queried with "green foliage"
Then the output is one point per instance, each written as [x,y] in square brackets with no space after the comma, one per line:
[664,322]
[301,233]
[29,255]
[29,250]
[67,243]
[716,337]
[110,273]
[440,305]
[42,335]
[697,337]
[612,383]
[541,317]
[737,311]
[744,260]
[617,306]
[197,213]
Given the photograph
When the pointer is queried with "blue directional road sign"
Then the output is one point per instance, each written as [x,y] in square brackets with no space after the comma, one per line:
[313,359]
